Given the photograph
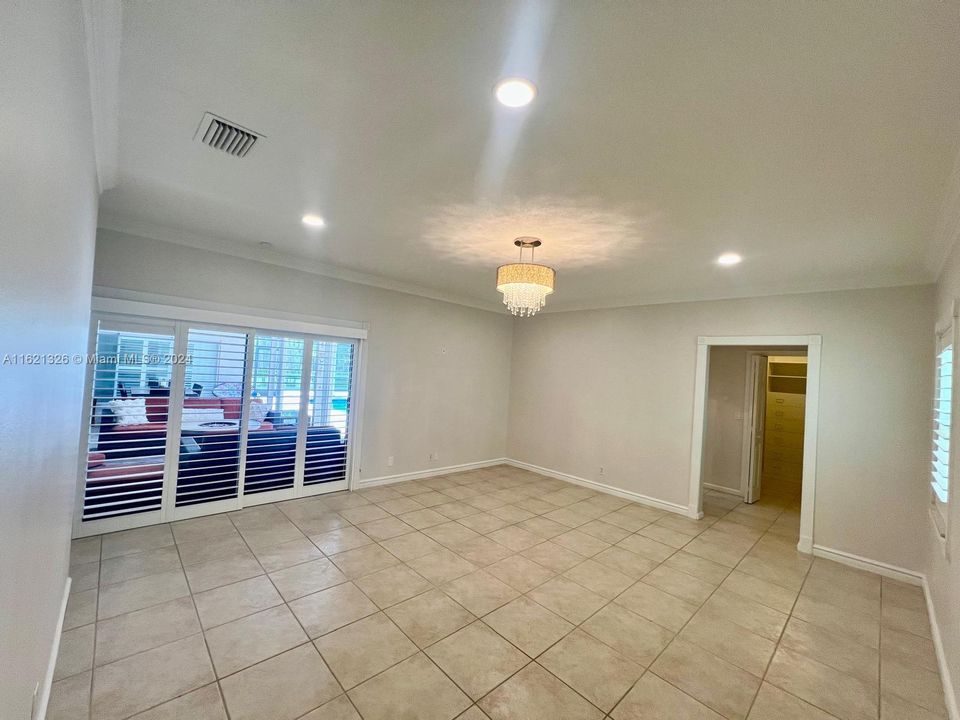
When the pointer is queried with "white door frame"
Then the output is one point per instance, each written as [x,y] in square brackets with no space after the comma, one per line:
[811,417]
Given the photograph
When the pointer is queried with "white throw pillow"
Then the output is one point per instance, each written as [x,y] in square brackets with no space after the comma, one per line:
[202,415]
[129,412]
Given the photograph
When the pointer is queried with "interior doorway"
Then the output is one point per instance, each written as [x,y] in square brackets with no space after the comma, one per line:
[755,422]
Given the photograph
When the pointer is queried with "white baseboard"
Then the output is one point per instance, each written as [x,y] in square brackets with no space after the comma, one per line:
[431,472]
[43,696]
[723,489]
[875,566]
[600,487]
[953,712]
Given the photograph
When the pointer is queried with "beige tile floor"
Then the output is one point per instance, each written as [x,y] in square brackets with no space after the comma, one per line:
[495,593]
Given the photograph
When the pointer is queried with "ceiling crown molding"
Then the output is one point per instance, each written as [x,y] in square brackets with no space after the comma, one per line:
[151,231]
[103,27]
[947,232]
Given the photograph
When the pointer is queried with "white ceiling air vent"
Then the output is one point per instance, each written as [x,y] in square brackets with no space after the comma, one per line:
[221,134]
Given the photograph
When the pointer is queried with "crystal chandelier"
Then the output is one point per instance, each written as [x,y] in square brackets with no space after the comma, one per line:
[525,285]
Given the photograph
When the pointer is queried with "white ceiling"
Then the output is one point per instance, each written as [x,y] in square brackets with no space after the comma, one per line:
[816,139]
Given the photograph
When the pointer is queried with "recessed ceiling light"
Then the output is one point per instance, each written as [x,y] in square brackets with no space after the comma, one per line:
[729,259]
[516,92]
[266,245]
[315,221]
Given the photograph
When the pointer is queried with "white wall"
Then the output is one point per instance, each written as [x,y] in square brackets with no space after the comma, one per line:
[943,576]
[438,374]
[48,207]
[723,440]
[614,388]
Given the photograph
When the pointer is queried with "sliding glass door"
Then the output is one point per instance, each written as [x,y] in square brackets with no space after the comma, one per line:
[188,419]
[277,383]
[126,447]
[331,379]
[212,416]
[302,386]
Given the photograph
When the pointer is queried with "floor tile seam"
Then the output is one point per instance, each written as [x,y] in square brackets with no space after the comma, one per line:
[576,626]
[880,625]
[175,697]
[206,645]
[149,649]
[779,643]
[646,668]
[96,617]
[688,574]
[907,632]
[677,635]
[880,682]
[145,607]
[100,586]
[289,610]
[521,650]
[155,647]
[767,580]
[419,651]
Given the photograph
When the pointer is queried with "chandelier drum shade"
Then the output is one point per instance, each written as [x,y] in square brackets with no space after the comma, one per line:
[525,285]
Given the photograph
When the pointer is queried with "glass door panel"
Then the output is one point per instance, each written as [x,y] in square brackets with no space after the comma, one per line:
[212,419]
[331,379]
[127,431]
[277,394]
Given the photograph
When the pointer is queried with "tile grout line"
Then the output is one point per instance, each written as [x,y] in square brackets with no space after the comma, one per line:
[579,625]
[170,642]
[422,651]
[611,601]
[96,628]
[880,657]
[776,646]
[289,610]
[677,633]
[476,619]
[312,641]
[196,612]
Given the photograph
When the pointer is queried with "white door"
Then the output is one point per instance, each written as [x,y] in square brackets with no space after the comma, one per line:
[758,377]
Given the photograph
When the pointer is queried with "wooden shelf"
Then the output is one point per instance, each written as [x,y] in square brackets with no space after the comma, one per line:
[788,369]
[787,384]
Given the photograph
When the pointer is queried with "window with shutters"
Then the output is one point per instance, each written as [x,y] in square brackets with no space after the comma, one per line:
[940,464]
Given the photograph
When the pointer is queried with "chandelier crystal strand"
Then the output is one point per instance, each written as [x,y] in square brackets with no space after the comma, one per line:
[525,286]
[524,300]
